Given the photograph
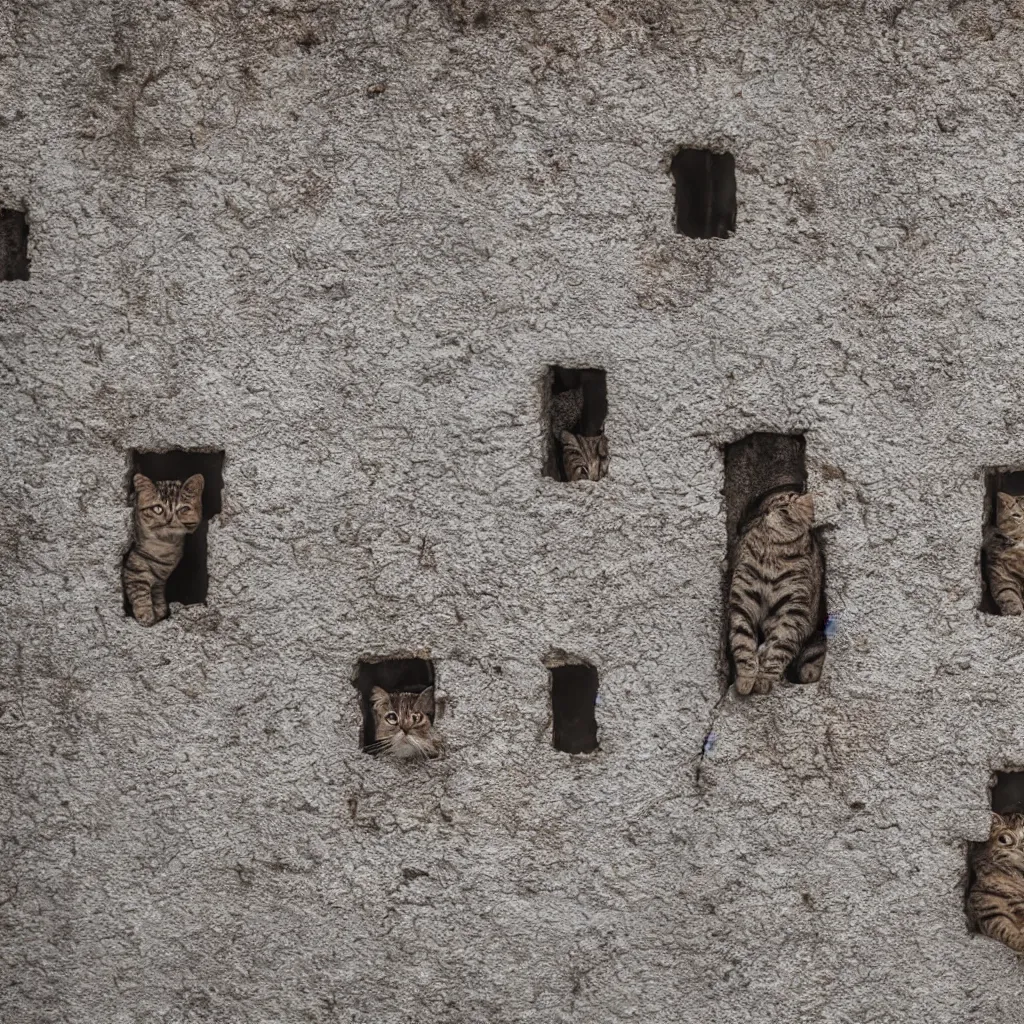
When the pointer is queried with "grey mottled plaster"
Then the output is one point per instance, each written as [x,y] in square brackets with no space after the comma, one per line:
[240,241]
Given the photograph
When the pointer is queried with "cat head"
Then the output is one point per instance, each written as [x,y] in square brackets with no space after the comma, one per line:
[168,507]
[788,514]
[1010,515]
[584,458]
[1006,841]
[402,725]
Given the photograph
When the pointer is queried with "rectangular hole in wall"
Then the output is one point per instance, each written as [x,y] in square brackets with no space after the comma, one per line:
[395,675]
[755,466]
[705,193]
[573,700]
[14,261]
[577,403]
[1008,481]
[189,582]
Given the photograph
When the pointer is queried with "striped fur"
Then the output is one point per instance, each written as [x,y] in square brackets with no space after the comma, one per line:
[775,596]
[584,458]
[1004,555]
[165,511]
[995,905]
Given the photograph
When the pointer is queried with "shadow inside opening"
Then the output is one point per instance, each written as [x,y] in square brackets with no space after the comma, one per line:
[573,701]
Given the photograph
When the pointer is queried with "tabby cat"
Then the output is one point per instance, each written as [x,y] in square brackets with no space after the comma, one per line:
[995,904]
[402,724]
[1004,554]
[165,511]
[775,596]
[584,457]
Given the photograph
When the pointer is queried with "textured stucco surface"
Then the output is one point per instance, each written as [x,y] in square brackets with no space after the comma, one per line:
[355,295]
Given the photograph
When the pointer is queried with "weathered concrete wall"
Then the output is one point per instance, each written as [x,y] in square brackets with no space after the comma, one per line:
[238,243]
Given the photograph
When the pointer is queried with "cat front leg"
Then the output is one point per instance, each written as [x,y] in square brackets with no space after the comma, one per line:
[809,663]
[776,655]
[786,630]
[138,587]
[1007,932]
[743,648]
[1008,598]
[160,608]
[140,597]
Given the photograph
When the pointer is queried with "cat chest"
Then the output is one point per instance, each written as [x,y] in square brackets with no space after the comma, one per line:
[162,556]
[773,561]
[1012,559]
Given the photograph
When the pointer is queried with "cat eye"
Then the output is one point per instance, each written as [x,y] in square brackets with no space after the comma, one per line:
[391,718]
[156,509]
[1005,839]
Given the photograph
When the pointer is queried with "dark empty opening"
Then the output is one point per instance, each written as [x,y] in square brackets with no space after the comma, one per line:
[573,697]
[705,193]
[14,259]
[755,466]
[591,386]
[997,479]
[1008,793]
[189,581]
[396,675]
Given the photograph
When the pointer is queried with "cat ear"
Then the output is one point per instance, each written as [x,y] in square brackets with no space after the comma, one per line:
[425,702]
[379,696]
[145,489]
[602,447]
[568,440]
[804,503]
[193,486]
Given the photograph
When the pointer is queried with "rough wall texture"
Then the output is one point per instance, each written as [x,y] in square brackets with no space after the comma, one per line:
[342,242]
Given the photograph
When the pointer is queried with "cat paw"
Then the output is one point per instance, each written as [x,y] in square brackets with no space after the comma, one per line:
[810,673]
[745,682]
[765,682]
[148,617]
[1011,608]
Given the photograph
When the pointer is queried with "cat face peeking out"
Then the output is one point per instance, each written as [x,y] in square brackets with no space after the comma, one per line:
[1005,845]
[402,724]
[1010,515]
[164,508]
[584,458]
[995,904]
